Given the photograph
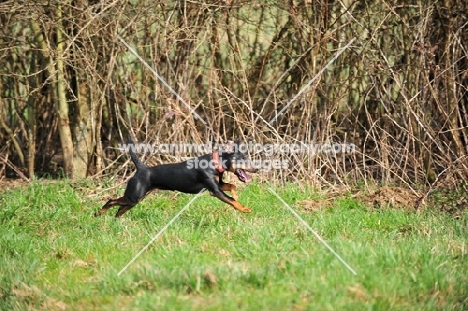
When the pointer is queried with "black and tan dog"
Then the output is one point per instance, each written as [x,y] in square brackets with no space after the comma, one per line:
[190,176]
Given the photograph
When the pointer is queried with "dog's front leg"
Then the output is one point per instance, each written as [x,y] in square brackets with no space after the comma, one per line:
[223,197]
[216,191]
[231,188]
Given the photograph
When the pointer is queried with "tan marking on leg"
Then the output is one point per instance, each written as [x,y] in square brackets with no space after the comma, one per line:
[231,188]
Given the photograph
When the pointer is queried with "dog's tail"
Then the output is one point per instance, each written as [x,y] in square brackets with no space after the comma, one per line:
[139,165]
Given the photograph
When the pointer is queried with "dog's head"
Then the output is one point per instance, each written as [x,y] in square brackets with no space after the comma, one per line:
[236,161]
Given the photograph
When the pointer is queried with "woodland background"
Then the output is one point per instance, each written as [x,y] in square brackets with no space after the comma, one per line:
[70,90]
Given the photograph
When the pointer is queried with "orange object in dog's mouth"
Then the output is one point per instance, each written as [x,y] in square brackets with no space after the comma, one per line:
[242,175]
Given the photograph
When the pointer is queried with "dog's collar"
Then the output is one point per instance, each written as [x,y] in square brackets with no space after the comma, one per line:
[217,163]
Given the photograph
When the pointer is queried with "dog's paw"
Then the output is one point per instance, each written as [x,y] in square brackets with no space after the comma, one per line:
[246,210]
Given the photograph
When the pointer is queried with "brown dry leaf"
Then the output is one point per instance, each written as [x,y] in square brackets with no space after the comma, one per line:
[80,263]
[390,196]
[26,291]
[358,292]
[210,278]
[53,304]
[224,252]
[315,205]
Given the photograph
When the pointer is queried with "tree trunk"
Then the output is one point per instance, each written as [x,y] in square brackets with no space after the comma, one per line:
[62,105]
[80,128]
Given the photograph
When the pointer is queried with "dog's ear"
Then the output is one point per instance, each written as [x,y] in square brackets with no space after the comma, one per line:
[215,146]
[238,141]
[230,147]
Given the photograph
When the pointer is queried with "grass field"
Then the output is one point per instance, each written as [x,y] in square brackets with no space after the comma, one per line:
[54,255]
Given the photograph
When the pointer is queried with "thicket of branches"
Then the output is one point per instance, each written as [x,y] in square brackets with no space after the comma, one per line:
[70,89]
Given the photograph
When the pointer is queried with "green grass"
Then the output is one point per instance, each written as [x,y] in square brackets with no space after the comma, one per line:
[55,255]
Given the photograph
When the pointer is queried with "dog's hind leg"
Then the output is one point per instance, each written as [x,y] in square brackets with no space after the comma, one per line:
[123,209]
[135,191]
[122,201]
